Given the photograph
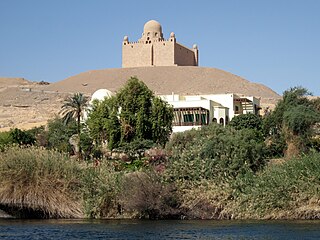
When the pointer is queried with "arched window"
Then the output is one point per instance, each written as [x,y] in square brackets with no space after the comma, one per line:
[221,121]
[214,120]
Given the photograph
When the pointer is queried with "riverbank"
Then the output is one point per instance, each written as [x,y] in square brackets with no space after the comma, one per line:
[5,215]
[37,183]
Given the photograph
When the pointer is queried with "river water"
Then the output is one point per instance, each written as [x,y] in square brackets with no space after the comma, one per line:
[138,229]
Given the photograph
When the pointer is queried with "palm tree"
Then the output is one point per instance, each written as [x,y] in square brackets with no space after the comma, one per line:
[74,108]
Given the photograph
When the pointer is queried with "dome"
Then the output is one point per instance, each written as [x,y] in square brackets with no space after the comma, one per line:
[101,94]
[172,35]
[152,26]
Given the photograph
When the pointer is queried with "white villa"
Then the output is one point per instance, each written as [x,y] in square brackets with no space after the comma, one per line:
[194,111]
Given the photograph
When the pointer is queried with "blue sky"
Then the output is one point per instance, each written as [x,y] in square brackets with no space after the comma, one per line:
[273,42]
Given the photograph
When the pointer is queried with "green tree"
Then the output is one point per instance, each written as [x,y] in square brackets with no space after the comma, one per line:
[73,108]
[103,122]
[59,133]
[161,118]
[243,121]
[134,114]
[293,119]
[135,102]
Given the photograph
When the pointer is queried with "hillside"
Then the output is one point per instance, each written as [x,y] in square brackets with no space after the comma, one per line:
[26,104]
[165,80]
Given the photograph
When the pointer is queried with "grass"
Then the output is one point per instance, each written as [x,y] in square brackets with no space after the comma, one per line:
[287,190]
[38,181]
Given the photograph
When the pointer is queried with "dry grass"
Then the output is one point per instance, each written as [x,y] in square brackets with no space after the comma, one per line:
[42,183]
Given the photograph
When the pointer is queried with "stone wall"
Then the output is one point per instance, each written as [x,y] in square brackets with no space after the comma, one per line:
[163,53]
[136,55]
[184,56]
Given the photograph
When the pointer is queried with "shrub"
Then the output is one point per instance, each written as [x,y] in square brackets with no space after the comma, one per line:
[146,197]
[216,151]
[101,189]
[245,121]
[59,134]
[281,189]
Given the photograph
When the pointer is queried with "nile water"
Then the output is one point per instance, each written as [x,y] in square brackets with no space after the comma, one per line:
[137,229]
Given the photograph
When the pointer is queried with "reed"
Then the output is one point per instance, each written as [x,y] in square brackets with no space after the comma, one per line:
[35,182]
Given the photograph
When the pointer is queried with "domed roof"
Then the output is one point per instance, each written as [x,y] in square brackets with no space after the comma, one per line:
[101,94]
[152,26]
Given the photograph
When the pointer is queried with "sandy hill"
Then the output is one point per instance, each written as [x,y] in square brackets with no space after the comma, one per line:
[26,104]
[165,80]
[5,82]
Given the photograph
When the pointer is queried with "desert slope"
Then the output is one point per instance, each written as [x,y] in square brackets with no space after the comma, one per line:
[165,80]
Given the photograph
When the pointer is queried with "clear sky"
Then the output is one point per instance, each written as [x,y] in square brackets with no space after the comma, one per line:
[273,42]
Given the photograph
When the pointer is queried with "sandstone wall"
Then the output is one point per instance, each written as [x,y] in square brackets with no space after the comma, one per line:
[184,56]
[136,55]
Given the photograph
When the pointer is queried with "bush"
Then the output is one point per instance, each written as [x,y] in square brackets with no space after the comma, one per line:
[59,134]
[214,152]
[146,197]
[281,190]
[245,121]
[101,189]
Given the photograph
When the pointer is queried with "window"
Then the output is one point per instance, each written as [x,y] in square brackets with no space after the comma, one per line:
[203,119]
[221,121]
[188,118]
[214,120]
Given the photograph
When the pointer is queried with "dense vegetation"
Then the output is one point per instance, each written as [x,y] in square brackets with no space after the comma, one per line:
[133,115]
[216,172]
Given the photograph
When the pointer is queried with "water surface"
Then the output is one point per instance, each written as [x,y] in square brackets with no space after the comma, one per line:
[138,229]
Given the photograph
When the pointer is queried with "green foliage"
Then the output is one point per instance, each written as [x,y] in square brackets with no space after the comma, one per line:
[86,144]
[74,108]
[135,101]
[136,148]
[292,119]
[276,146]
[244,121]
[162,116]
[281,187]
[216,152]
[299,119]
[17,136]
[103,122]
[133,115]
[59,134]
[20,137]
[5,139]
[102,186]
